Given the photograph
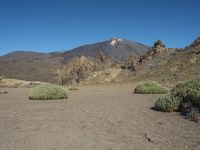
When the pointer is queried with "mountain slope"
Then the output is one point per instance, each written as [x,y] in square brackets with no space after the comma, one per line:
[172,65]
[43,66]
[30,66]
[168,66]
[116,49]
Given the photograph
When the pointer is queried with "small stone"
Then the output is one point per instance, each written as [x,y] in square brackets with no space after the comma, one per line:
[3,92]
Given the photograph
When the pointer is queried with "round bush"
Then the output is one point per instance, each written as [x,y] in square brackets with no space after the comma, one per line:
[188,92]
[150,87]
[185,97]
[167,104]
[183,89]
[47,92]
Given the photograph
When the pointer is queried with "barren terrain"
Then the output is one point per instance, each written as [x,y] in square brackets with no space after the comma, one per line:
[103,117]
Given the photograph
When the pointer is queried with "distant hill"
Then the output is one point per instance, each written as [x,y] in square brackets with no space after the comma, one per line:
[30,66]
[43,66]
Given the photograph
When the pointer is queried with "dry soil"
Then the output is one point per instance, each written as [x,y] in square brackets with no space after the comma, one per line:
[104,117]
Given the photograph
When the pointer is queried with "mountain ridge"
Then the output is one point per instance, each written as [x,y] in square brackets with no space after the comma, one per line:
[113,60]
[43,66]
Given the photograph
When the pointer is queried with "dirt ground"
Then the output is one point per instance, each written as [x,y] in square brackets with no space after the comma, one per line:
[92,118]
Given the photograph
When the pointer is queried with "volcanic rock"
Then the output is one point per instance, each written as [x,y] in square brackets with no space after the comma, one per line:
[131,63]
[77,69]
[157,48]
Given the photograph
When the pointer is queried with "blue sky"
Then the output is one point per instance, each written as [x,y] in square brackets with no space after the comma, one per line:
[52,25]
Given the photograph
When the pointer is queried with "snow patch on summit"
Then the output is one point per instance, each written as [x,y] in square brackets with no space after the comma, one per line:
[115,41]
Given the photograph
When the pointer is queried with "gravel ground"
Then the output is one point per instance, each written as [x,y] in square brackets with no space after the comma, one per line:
[102,117]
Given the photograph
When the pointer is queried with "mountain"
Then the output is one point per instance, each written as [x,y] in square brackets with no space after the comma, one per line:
[168,66]
[116,48]
[44,66]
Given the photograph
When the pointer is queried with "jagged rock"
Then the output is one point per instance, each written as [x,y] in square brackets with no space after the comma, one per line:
[76,70]
[158,44]
[101,57]
[131,62]
[157,48]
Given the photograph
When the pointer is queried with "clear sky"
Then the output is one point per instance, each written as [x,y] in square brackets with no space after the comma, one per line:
[52,25]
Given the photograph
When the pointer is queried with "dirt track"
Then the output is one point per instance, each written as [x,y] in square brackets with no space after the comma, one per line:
[92,118]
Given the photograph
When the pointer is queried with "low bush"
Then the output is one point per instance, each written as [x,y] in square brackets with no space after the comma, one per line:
[187,95]
[183,89]
[47,92]
[167,104]
[150,87]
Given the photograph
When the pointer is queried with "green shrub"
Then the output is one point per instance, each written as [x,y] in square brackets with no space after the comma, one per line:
[150,87]
[187,95]
[183,89]
[47,92]
[167,104]
[188,92]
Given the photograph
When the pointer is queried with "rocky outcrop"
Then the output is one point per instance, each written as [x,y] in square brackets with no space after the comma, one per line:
[131,63]
[157,48]
[76,70]
[101,57]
